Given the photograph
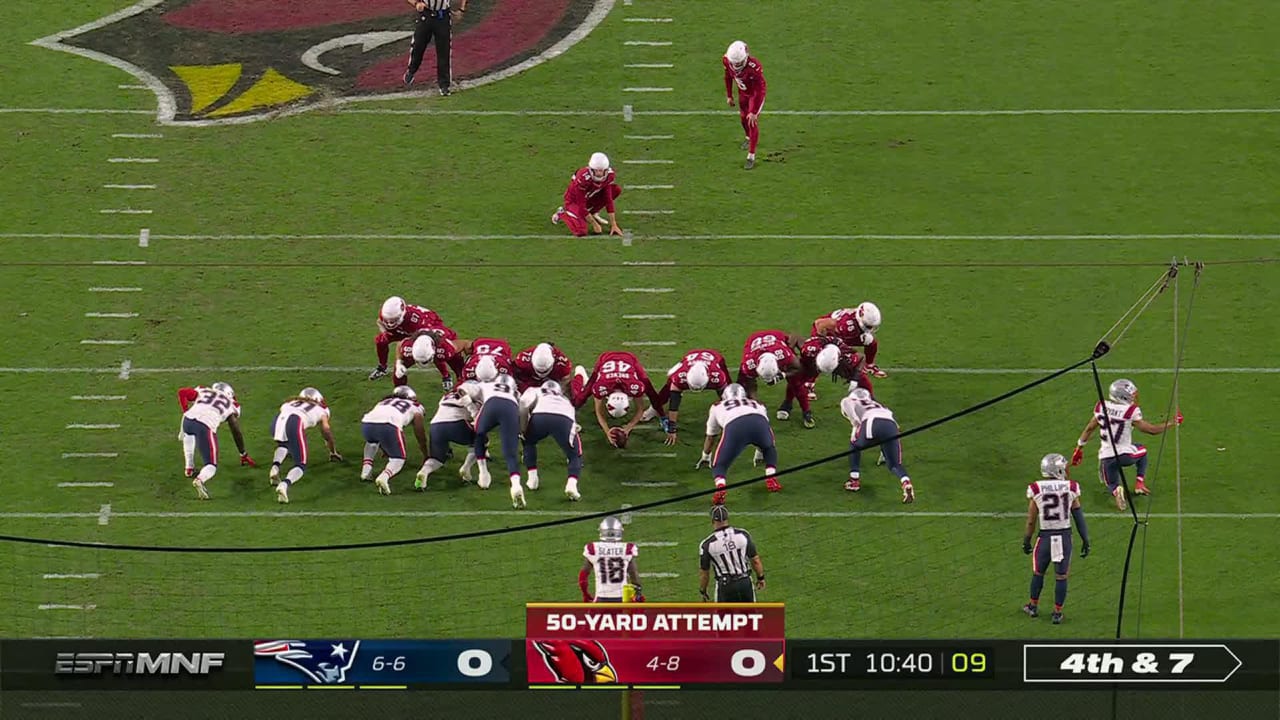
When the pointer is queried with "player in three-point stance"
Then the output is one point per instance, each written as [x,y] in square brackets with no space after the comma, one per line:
[739,421]
[698,370]
[204,409]
[817,356]
[496,349]
[744,71]
[305,410]
[546,412]
[591,190]
[1115,420]
[439,346]
[383,428]
[499,410]
[613,563]
[1055,502]
[453,424]
[398,320]
[856,327]
[873,424]
[767,356]
[535,365]
[616,379]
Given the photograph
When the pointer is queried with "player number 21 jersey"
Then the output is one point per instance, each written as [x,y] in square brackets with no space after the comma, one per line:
[1054,498]
[610,561]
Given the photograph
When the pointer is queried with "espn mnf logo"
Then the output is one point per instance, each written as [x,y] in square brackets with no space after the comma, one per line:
[163,664]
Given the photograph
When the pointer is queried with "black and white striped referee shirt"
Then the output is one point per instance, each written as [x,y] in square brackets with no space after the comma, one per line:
[434,6]
[729,550]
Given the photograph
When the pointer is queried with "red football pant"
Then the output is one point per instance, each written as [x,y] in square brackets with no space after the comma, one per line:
[798,391]
[753,132]
[575,215]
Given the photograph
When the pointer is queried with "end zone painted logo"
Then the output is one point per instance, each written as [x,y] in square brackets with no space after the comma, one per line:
[214,62]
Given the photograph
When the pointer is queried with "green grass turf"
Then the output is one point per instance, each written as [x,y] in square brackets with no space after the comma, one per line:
[981,304]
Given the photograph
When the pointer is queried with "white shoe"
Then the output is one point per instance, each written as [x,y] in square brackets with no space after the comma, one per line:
[366,473]
[274,474]
[757,458]
[533,481]
[649,415]
[784,415]
[282,493]
[384,485]
[555,216]
[201,492]
[485,480]
[464,472]
[571,491]
[420,480]
[881,460]
[581,372]
[517,497]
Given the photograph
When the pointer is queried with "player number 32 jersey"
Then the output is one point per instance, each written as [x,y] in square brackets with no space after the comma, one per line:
[212,408]
[610,561]
[1054,498]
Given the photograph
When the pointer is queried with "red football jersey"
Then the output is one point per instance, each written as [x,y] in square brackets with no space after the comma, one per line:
[618,372]
[583,187]
[749,80]
[415,319]
[766,341]
[846,327]
[444,339]
[810,348]
[527,377]
[717,370]
[499,350]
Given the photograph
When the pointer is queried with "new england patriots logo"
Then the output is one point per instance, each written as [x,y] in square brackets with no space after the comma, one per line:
[323,662]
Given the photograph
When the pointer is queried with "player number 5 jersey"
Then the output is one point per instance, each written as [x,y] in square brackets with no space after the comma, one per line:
[1120,417]
[610,561]
[1054,498]
[212,408]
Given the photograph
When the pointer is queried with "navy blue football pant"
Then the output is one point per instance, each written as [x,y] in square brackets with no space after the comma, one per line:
[503,414]
[875,432]
[206,440]
[738,434]
[1043,553]
[295,438]
[387,436]
[442,434]
[1109,468]
[560,429]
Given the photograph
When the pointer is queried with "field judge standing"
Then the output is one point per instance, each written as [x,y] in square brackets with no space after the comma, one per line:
[435,21]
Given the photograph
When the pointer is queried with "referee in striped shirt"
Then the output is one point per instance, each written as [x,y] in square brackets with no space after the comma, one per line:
[732,553]
[435,21]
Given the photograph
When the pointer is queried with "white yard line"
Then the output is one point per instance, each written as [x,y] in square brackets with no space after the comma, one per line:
[106,342]
[649,212]
[648,317]
[303,514]
[113,186]
[648,455]
[648,43]
[99,397]
[133,87]
[124,211]
[648,343]
[67,456]
[396,236]
[648,162]
[133,160]
[648,290]
[666,263]
[115,289]
[1012,112]
[104,514]
[659,575]
[137,136]
[657,543]
[644,89]
[648,20]
[111,314]
[61,606]
[126,366]
[654,66]
[649,137]
[120,262]
[71,576]
[649,484]
[649,187]
[85,485]
[93,426]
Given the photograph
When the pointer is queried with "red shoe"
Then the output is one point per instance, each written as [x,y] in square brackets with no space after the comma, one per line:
[853,485]
[1141,488]
[718,498]
[876,371]
[773,484]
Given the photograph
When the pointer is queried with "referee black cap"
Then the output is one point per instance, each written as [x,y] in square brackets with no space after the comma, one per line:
[720,513]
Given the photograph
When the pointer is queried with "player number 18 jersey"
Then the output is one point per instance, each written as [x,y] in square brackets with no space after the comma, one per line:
[1054,499]
[610,561]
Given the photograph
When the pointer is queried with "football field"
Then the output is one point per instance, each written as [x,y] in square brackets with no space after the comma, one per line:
[1004,179]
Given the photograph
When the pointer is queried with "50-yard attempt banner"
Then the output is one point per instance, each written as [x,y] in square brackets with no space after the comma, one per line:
[658,644]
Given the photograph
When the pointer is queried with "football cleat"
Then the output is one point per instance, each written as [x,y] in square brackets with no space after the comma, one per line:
[446,384]
[201,491]
[533,482]
[809,423]
[757,458]
[649,414]
[772,484]
[1140,488]
[853,485]
[420,480]
[273,474]
[783,414]
[751,162]
[517,497]
[485,479]
[1057,617]
[876,371]
[378,372]
[555,216]
[408,77]
[282,493]
[384,485]
[1031,610]
[445,92]
[571,490]
[746,143]
[1118,494]
[464,472]
[719,497]
[908,493]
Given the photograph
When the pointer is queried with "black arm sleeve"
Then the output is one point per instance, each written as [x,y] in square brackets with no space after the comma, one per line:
[1077,514]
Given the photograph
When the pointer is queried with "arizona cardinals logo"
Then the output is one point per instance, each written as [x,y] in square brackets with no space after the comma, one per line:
[213,62]
[577,662]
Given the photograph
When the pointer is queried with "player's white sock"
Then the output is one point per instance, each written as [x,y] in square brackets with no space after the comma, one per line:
[751,156]
[854,476]
[470,462]
[906,480]
[533,479]
[430,466]
[394,465]
[189,450]
[206,473]
[278,458]
[770,470]
[720,482]
[366,470]
[294,475]
[515,480]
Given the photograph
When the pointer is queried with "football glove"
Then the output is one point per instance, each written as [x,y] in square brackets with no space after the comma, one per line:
[1077,457]
[1084,551]
[1178,418]
[704,462]
[246,460]
[1026,546]
[335,456]
[378,372]
[667,426]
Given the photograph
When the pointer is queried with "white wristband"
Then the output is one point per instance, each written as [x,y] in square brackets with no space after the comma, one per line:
[1079,443]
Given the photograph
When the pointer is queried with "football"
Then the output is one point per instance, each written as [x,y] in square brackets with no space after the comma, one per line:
[619,436]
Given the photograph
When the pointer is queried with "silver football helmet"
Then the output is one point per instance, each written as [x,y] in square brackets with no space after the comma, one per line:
[223,389]
[311,394]
[733,391]
[1053,466]
[1122,390]
[611,528]
[405,392]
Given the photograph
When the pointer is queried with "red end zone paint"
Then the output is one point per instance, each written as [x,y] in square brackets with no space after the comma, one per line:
[254,16]
[510,29]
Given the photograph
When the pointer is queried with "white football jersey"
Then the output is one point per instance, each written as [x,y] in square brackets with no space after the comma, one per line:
[726,411]
[1054,498]
[503,386]
[536,401]
[212,408]
[311,414]
[858,412]
[395,411]
[610,561]
[455,406]
[1120,417]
